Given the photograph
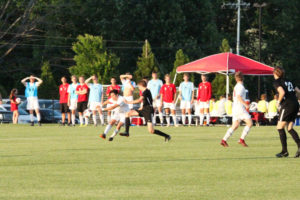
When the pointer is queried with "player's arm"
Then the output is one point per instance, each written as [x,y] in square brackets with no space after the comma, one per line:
[281,94]
[102,97]
[111,108]
[139,100]
[209,92]
[39,81]
[23,81]
[193,93]
[105,102]
[240,99]
[124,76]
[175,95]
[198,96]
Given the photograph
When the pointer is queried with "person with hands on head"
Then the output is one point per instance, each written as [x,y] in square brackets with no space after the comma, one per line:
[31,92]
[128,87]
[95,98]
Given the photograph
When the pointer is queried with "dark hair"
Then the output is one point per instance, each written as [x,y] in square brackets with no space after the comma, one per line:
[127,73]
[239,75]
[142,83]
[154,72]
[279,71]
[113,78]
[12,93]
[116,92]
[186,74]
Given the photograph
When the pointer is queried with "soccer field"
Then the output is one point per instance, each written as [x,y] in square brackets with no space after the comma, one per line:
[52,162]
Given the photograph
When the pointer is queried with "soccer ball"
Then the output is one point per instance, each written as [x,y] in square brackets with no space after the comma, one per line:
[87,113]
[18,100]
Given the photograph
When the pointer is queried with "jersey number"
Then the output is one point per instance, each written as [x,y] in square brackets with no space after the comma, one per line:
[289,86]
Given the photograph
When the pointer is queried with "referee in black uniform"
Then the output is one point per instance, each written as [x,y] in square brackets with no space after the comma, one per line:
[289,107]
[147,112]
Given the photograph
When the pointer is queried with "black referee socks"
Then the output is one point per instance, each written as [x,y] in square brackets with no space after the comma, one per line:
[157,132]
[127,124]
[282,136]
[295,136]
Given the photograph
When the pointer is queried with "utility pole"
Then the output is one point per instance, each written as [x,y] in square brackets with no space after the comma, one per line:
[237,6]
[259,6]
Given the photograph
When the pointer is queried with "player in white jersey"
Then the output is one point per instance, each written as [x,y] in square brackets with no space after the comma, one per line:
[239,112]
[186,96]
[31,92]
[154,86]
[120,109]
[95,98]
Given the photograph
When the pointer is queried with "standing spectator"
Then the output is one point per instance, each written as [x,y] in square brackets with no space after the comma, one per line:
[95,98]
[262,105]
[14,105]
[186,95]
[128,87]
[82,91]
[72,98]
[31,92]
[154,86]
[63,100]
[168,97]
[113,86]
[204,95]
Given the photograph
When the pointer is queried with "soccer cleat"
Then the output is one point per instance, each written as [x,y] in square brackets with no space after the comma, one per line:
[32,124]
[167,139]
[207,125]
[297,154]
[224,143]
[243,143]
[103,136]
[111,139]
[124,134]
[282,154]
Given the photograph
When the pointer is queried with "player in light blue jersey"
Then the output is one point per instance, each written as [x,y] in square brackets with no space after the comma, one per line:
[72,99]
[186,96]
[95,98]
[154,86]
[31,92]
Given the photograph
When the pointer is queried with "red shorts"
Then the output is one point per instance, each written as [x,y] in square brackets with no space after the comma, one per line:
[13,107]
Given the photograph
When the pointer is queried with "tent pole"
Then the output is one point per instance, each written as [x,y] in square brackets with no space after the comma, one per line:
[227,85]
[175,78]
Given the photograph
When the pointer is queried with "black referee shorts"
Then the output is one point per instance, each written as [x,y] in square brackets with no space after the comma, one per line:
[147,112]
[82,106]
[289,113]
[64,108]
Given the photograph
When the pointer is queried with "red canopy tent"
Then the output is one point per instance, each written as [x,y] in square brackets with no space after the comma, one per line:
[225,63]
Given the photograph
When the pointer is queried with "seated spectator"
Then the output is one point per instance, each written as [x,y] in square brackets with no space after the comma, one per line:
[212,101]
[228,106]
[221,106]
[272,108]
[262,105]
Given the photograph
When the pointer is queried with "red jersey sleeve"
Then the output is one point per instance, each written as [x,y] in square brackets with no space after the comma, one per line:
[108,90]
[174,87]
[162,89]
[209,91]
[77,88]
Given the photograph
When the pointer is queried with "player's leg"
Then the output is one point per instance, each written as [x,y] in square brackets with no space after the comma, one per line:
[183,111]
[100,115]
[173,114]
[116,131]
[158,132]
[295,136]
[160,114]
[108,116]
[129,114]
[38,115]
[201,114]
[73,116]
[167,111]
[94,117]
[235,125]
[63,117]
[69,115]
[107,128]
[245,132]
[282,135]
[31,117]
[206,111]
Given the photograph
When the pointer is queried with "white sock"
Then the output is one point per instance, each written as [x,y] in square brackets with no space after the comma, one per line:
[86,120]
[108,127]
[31,117]
[154,119]
[183,119]
[201,119]
[168,120]
[245,132]
[161,118]
[101,118]
[95,119]
[207,118]
[190,119]
[115,133]
[73,119]
[108,118]
[38,117]
[81,119]
[228,134]
[174,120]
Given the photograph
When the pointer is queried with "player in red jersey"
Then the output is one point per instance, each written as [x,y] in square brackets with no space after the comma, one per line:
[113,86]
[82,91]
[168,97]
[14,105]
[204,95]
[63,100]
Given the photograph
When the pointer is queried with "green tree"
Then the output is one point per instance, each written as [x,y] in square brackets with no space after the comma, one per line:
[146,62]
[180,59]
[48,89]
[219,82]
[92,57]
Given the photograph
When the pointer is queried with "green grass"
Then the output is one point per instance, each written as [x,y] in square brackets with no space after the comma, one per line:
[52,162]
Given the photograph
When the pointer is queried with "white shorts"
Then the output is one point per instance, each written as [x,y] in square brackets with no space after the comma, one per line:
[240,116]
[156,103]
[109,105]
[73,104]
[169,105]
[94,105]
[120,117]
[32,103]
[185,105]
[203,105]
[129,98]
